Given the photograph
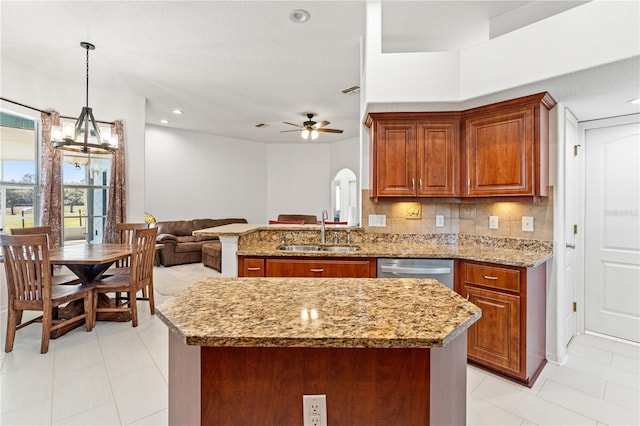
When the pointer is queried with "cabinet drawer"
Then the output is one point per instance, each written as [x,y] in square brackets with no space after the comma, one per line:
[319,268]
[253,268]
[492,276]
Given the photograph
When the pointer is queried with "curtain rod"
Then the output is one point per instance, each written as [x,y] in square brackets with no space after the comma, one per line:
[47,112]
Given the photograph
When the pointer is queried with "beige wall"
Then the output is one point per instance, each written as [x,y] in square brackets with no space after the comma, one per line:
[468,219]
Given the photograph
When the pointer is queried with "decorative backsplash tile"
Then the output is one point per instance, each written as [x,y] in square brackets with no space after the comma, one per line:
[464,219]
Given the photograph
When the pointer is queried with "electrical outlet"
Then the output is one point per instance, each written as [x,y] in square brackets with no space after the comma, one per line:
[379,220]
[439,220]
[493,222]
[527,224]
[314,410]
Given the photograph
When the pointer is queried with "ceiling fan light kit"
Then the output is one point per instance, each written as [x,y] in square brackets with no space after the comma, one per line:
[311,129]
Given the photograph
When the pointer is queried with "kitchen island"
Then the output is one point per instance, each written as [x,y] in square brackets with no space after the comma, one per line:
[383,351]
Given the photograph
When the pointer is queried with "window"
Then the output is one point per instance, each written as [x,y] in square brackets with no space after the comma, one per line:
[85,180]
[19,137]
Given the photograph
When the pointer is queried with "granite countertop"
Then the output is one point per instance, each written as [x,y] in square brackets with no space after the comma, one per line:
[480,253]
[318,312]
[263,240]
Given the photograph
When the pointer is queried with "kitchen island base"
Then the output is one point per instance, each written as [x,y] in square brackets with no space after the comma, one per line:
[364,386]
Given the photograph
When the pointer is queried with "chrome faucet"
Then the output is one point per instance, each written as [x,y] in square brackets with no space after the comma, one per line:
[325,216]
[336,240]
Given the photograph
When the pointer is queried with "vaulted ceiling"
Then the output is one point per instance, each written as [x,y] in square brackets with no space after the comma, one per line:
[230,65]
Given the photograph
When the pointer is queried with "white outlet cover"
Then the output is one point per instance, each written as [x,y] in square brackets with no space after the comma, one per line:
[493,222]
[377,220]
[439,220]
[527,223]
[314,410]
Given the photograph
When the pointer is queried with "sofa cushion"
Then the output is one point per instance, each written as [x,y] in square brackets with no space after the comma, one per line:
[189,246]
[176,227]
[205,223]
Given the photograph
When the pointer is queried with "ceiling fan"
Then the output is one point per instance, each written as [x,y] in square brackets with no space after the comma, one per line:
[311,128]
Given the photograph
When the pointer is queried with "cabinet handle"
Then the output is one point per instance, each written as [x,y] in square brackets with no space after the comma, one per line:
[317,270]
[489,277]
[413,183]
[468,296]
[420,182]
[253,269]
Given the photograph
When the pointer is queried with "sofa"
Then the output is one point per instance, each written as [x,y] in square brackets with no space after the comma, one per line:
[179,245]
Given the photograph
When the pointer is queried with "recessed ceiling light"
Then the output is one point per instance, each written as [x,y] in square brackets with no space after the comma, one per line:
[177,111]
[163,121]
[299,16]
[634,101]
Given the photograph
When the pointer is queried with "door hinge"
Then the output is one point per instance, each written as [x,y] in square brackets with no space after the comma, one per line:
[575,307]
[575,229]
[575,150]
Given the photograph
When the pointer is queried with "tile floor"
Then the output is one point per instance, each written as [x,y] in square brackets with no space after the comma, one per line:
[117,375]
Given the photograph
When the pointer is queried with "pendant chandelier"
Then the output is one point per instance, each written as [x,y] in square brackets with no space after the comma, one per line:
[85,136]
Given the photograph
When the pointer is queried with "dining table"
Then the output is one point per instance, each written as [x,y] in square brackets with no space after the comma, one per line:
[89,262]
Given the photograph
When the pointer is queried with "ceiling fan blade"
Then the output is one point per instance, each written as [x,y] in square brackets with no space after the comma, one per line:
[287,131]
[291,124]
[321,124]
[329,130]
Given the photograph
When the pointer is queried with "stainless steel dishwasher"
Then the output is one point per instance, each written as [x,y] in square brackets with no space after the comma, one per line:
[438,269]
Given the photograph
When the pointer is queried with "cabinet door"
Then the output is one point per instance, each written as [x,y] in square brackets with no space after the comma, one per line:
[251,267]
[395,158]
[437,160]
[318,268]
[494,341]
[500,157]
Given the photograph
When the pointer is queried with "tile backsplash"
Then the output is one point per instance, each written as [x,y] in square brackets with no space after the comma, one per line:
[466,219]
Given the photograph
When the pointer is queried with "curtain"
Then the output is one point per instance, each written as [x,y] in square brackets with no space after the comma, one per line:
[117,205]
[51,180]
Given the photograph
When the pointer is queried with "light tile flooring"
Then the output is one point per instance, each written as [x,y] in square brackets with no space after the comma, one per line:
[117,375]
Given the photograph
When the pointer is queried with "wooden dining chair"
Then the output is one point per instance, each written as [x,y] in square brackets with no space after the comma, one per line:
[46,230]
[141,276]
[124,235]
[28,272]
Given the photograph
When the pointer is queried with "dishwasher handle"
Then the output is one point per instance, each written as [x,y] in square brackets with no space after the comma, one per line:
[398,270]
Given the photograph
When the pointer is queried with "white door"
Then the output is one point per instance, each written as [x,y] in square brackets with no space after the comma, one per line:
[571,152]
[612,230]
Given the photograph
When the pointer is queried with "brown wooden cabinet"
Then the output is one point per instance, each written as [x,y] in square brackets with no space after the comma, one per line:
[494,151]
[321,267]
[414,154]
[506,148]
[509,339]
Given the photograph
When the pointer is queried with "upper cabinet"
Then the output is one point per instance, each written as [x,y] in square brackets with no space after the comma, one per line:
[506,148]
[414,154]
[495,151]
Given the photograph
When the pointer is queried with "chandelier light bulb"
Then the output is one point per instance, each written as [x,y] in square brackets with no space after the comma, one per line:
[314,134]
[305,134]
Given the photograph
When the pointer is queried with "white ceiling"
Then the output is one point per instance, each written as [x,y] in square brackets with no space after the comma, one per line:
[230,65]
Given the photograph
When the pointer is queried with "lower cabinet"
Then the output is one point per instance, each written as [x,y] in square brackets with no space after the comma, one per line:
[509,339]
[321,267]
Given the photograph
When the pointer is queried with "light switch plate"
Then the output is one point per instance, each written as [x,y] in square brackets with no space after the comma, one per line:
[527,223]
[493,222]
[377,220]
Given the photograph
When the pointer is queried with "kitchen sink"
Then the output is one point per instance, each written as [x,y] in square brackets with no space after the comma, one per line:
[318,248]
[299,248]
[340,248]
